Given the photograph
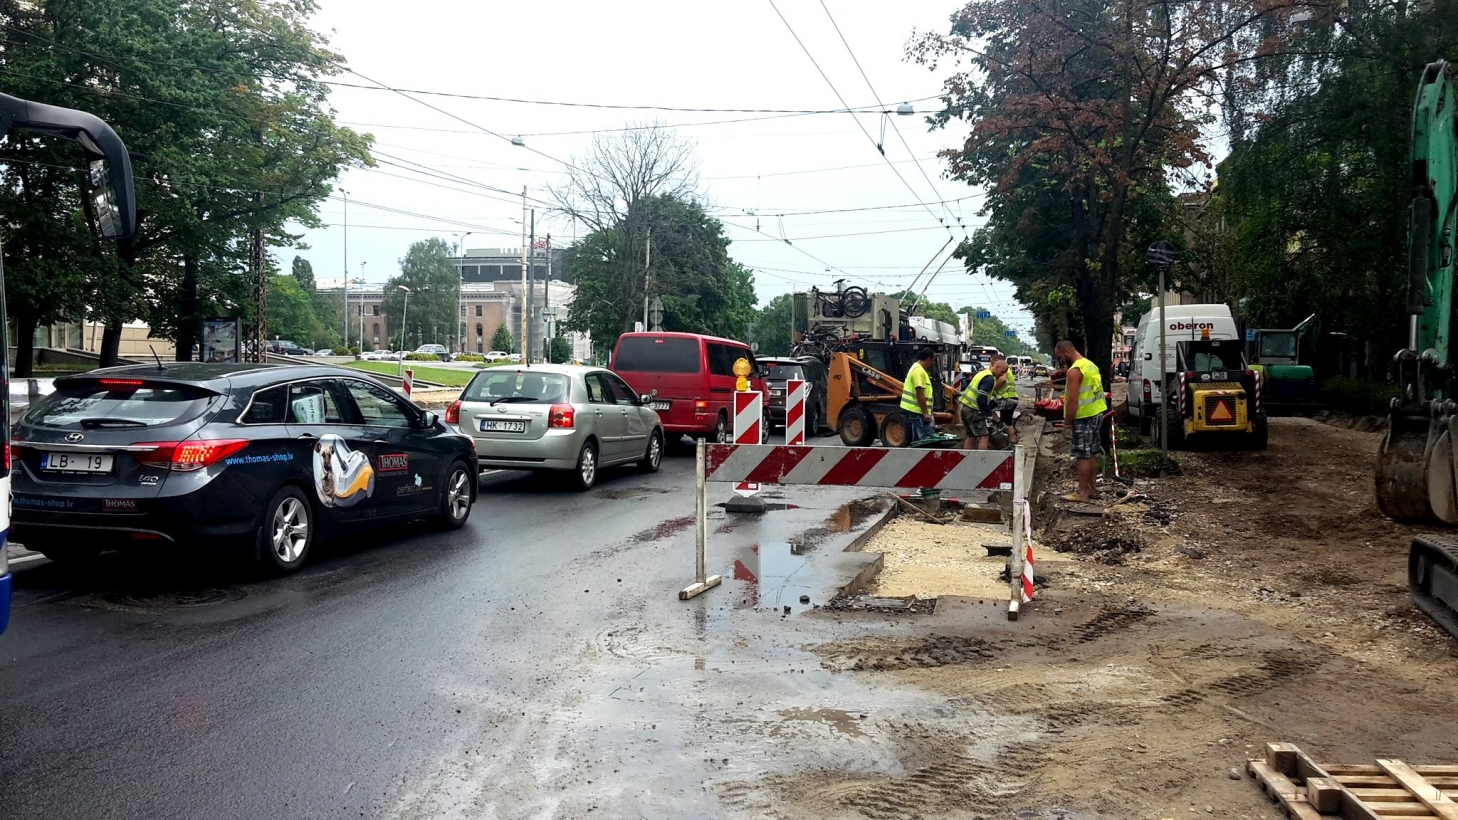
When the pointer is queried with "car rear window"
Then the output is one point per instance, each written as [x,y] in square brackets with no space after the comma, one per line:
[118,403]
[647,354]
[517,384]
[780,372]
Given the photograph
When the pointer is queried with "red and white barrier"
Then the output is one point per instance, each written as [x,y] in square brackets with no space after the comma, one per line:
[1025,591]
[861,466]
[748,429]
[795,412]
[409,384]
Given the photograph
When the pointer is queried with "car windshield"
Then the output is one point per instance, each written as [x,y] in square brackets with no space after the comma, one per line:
[783,372]
[117,403]
[647,354]
[517,386]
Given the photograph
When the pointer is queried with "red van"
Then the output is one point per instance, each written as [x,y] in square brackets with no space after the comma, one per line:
[694,377]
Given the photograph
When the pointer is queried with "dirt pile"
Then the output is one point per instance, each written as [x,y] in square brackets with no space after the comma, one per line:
[1101,541]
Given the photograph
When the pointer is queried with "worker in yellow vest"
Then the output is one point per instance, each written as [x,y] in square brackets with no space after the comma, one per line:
[978,402]
[916,396]
[1005,402]
[1083,411]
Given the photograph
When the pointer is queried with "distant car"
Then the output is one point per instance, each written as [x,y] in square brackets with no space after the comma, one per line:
[557,417]
[496,356]
[259,459]
[438,350]
[514,358]
[1040,371]
[807,369]
[324,351]
[283,347]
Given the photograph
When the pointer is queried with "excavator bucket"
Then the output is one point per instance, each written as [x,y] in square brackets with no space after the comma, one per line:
[1410,467]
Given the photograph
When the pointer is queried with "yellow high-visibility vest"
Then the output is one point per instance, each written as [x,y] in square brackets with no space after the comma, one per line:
[915,377]
[1090,391]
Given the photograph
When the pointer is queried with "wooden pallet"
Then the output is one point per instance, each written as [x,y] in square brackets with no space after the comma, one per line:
[1388,790]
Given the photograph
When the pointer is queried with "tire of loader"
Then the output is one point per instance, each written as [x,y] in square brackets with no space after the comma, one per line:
[1432,579]
[1260,437]
[1174,428]
[896,430]
[857,427]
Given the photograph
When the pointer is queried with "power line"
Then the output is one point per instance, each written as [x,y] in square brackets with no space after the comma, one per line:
[838,96]
[840,235]
[877,96]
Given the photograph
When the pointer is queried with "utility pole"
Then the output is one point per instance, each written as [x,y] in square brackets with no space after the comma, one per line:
[647,276]
[526,343]
[260,285]
[521,342]
[346,267]
[1162,255]
[362,282]
[548,332]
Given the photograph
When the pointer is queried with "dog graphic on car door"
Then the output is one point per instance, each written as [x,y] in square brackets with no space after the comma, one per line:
[342,477]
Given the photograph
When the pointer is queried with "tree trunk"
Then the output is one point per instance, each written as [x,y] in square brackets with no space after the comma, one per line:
[187,318]
[25,325]
[111,343]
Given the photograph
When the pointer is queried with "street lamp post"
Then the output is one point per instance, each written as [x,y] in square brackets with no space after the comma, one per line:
[460,300]
[404,342]
[346,267]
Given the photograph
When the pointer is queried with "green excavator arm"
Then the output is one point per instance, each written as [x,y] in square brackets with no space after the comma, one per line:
[1417,475]
[1415,469]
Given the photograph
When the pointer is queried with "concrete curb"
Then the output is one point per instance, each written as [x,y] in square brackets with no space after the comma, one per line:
[868,572]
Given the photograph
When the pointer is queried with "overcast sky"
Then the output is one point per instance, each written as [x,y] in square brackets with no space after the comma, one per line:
[654,53]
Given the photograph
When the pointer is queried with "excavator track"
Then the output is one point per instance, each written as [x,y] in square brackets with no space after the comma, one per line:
[1432,579]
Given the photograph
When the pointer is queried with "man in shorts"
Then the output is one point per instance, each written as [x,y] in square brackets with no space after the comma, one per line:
[1084,408]
[978,404]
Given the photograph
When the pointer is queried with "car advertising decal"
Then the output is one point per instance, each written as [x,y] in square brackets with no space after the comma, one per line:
[414,488]
[342,477]
[394,463]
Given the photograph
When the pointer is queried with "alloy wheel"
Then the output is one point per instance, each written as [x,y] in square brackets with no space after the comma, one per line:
[587,466]
[459,494]
[290,530]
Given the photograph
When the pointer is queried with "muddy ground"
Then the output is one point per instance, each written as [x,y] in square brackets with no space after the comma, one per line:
[1257,597]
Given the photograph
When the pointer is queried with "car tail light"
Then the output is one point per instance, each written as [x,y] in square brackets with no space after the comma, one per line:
[563,416]
[122,382]
[453,412]
[187,456]
[7,458]
[701,405]
[1148,391]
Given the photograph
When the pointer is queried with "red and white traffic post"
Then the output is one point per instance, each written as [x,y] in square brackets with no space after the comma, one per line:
[409,383]
[748,429]
[795,413]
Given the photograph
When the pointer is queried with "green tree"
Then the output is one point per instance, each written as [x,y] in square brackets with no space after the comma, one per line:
[225,113]
[432,314]
[559,350]
[772,326]
[1080,109]
[291,313]
[502,339]
[303,272]
[702,289]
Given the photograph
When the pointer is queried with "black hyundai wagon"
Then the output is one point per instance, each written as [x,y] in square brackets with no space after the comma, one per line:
[262,459]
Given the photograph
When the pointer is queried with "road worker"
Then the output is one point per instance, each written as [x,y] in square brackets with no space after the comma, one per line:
[1083,412]
[916,397]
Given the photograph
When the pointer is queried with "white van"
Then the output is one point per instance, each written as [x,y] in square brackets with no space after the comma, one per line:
[1146,375]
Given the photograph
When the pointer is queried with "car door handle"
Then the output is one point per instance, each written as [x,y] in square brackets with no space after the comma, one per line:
[381,441]
[306,436]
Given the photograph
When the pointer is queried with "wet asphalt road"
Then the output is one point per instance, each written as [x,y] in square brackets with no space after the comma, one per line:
[394,676]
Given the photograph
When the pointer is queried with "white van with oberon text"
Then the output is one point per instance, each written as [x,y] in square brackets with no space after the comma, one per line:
[1146,375]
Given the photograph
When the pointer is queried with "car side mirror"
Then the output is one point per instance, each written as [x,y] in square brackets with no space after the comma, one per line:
[649,396]
[427,420]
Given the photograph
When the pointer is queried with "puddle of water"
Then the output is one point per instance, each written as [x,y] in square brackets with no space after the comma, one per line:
[838,720]
[775,576]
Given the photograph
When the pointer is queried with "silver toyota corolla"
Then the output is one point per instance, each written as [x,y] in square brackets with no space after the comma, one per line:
[557,417]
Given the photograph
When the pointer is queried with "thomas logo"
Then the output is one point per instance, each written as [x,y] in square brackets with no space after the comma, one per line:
[394,463]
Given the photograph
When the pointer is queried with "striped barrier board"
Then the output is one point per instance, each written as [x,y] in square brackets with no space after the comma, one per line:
[795,412]
[409,383]
[861,467]
[748,429]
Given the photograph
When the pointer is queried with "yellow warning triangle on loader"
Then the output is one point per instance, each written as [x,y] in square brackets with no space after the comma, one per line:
[1222,411]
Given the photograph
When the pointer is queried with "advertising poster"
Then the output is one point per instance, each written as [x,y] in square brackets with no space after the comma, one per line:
[221,341]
